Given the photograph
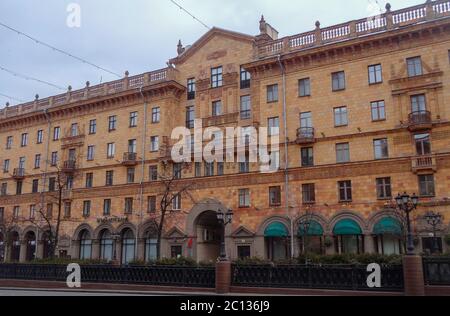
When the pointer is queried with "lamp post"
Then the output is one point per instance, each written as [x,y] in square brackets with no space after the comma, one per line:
[224,219]
[407,204]
[434,220]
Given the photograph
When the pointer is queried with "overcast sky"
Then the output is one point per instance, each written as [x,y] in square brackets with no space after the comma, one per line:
[138,35]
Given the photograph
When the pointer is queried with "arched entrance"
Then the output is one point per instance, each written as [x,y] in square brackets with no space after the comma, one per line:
[106,245]
[30,239]
[128,246]
[14,242]
[209,235]
[85,245]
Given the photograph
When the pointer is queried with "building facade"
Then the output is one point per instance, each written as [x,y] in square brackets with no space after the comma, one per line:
[363,114]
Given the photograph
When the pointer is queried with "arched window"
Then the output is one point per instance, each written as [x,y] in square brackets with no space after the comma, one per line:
[2,248]
[277,241]
[388,236]
[151,243]
[128,246]
[85,245]
[15,246]
[348,237]
[310,234]
[106,246]
[30,239]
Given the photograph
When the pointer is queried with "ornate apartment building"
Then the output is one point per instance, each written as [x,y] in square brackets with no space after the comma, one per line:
[363,110]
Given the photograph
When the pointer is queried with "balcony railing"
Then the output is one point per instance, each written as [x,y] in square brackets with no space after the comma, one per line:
[129,159]
[19,173]
[424,163]
[229,118]
[419,120]
[69,166]
[305,135]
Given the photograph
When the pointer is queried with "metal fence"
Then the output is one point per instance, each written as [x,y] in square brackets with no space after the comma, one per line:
[152,275]
[336,277]
[436,271]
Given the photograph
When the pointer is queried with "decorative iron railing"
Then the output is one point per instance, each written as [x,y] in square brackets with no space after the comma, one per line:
[419,118]
[197,277]
[342,277]
[436,271]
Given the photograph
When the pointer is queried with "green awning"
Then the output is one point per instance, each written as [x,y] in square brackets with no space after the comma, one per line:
[276,229]
[314,229]
[388,225]
[347,227]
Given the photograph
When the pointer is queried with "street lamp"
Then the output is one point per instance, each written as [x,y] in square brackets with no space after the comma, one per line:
[224,219]
[434,220]
[407,204]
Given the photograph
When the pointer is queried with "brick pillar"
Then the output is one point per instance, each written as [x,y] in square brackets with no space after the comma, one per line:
[413,276]
[223,277]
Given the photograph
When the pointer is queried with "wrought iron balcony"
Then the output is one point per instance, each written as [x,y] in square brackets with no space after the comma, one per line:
[129,159]
[69,166]
[305,135]
[424,163]
[19,173]
[419,120]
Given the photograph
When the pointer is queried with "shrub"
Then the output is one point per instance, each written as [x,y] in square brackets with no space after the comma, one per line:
[447,239]
[252,261]
[66,261]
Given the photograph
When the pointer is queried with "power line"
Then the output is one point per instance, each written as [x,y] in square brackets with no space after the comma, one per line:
[183,9]
[15,74]
[59,50]
[11,98]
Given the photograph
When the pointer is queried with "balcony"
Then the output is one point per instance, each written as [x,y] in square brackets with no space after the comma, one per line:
[19,173]
[419,120]
[69,166]
[424,164]
[305,135]
[73,137]
[129,159]
[225,119]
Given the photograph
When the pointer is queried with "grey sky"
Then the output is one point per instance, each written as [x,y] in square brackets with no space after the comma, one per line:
[138,35]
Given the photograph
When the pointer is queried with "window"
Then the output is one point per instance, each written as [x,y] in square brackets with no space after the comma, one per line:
[220,168]
[109,178]
[275,196]
[49,210]
[414,65]
[130,175]
[340,116]
[128,205]
[19,185]
[198,169]
[304,87]
[74,130]
[9,142]
[418,103]
[243,252]
[380,147]
[378,111]
[245,79]
[209,169]
[190,117]
[153,173]
[67,209]
[89,180]
[216,77]
[176,202]
[306,121]
[86,208]
[111,150]
[345,191]
[21,162]
[24,140]
[40,137]
[32,211]
[37,161]
[273,125]
[2,215]
[423,144]
[6,166]
[217,108]
[112,123]
[156,115]
[52,184]
[191,89]
[16,212]
[244,166]
[244,198]
[106,207]
[308,193]
[177,170]
[426,185]
[272,93]
[4,189]
[246,107]
[154,143]
[342,152]
[151,208]
[338,81]
[133,119]
[132,146]
[90,153]
[176,251]
[375,74]
[56,133]
[92,127]
[307,157]
[384,189]
[54,159]
[35,186]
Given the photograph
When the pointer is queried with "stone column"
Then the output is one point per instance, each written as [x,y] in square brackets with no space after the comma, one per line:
[223,277]
[368,244]
[39,249]
[140,249]
[95,249]
[23,251]
[413,276]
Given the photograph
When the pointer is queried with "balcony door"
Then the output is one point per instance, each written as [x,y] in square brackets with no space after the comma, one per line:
[305,120]
[418,104]
[72,154]
[132,146]
[423,144]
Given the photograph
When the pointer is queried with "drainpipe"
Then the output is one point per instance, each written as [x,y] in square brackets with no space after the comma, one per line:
[141,185]
[286,160]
